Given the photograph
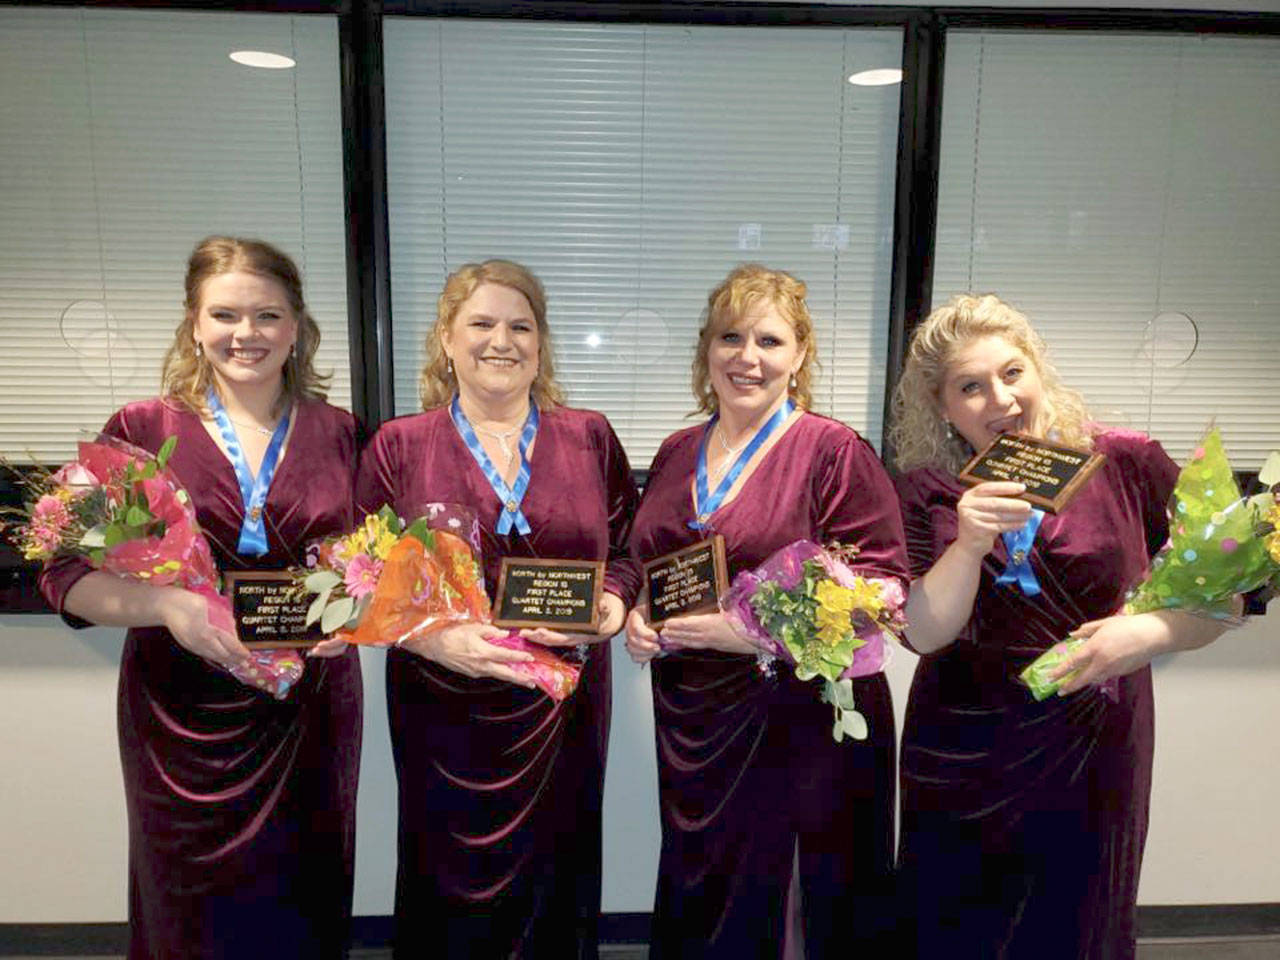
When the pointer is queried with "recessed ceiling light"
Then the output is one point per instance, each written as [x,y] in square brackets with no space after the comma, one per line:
[594,340]
[876,78]
[261,58]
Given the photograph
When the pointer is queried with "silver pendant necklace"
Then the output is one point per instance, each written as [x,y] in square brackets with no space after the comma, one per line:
[731,454]
[503,441]
[265,431]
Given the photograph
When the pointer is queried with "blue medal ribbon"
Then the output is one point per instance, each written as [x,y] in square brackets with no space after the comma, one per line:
[253,490]
[1017,543]
[510,497]
[706,504]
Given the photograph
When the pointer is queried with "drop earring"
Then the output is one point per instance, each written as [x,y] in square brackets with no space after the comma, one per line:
[199,348]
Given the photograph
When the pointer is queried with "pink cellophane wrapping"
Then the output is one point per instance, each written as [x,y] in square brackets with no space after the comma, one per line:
[180,557]
[785,567]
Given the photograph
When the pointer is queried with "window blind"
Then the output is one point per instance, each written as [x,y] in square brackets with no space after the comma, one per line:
[126,137]
[631,167]
[1123,191]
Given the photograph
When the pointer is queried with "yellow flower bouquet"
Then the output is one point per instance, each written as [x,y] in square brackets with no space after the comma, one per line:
[805,605]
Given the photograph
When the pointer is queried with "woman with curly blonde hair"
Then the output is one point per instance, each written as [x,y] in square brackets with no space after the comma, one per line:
[241,808]
[772,833]
[501,788]
[1023,823]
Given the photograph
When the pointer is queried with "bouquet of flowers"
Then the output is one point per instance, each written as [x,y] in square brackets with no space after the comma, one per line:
[125,512]
[389,581]
[1220,545]
[806,606]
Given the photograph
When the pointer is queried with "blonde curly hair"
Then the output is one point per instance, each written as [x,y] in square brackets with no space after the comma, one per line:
[187,375]
[745,287]
[919,433]
[437,382]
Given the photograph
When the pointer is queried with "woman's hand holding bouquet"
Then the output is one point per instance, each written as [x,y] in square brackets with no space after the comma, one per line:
[418,585]
[1221,546]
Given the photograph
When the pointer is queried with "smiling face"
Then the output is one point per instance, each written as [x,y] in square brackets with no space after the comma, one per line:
[246,328]
[990,387]
[751,361]
[493,343]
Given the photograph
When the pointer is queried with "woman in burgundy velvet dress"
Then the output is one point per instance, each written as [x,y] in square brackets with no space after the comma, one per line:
[241,807]
[759,805]
[500,786]
[1023,823]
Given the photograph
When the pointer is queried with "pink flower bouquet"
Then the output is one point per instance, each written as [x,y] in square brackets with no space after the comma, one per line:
[125,512]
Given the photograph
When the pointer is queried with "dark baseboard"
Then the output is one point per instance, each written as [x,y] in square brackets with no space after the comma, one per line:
[111,939]
[62,939]
[1209,920]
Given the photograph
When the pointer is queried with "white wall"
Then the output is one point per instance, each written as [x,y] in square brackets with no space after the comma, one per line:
[62,839]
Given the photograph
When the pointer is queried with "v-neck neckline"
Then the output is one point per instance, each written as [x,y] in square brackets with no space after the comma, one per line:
[787,427]
[474,464]
[282,465]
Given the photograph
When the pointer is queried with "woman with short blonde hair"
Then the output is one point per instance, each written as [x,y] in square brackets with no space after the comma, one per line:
[757,801]
[501,788]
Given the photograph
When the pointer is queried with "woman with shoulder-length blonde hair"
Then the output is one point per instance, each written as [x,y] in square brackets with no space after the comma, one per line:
[759,806]
[500,787]
[1022,823]
[241,808]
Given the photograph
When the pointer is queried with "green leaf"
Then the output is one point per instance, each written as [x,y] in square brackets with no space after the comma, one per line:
[418,530]
[115,533]
[136,516]
[316,609]
[1270,472]
[390,518]
[837,731]
[336,614]
[321,581]
[148,471]
[94,537]
[854,724]
[166,451]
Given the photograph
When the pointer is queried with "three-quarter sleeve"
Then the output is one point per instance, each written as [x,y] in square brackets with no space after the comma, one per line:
[928,524]
[622,575]
[1157,476]
[856,505]
[59,575]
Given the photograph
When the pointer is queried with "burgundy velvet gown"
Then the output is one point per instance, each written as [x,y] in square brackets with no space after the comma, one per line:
[500,787]
[241,807]
[747,767]
[1023,823]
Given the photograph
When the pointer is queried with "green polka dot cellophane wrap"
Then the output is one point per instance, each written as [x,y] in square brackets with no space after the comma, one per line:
[1216,548]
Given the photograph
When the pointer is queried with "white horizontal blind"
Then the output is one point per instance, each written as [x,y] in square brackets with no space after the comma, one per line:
[631,167]
[126,137]
[1124,192]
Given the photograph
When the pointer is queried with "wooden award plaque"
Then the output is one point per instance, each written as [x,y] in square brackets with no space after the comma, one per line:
[1052,472]
[270,610]
[687,581]
[558,594]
